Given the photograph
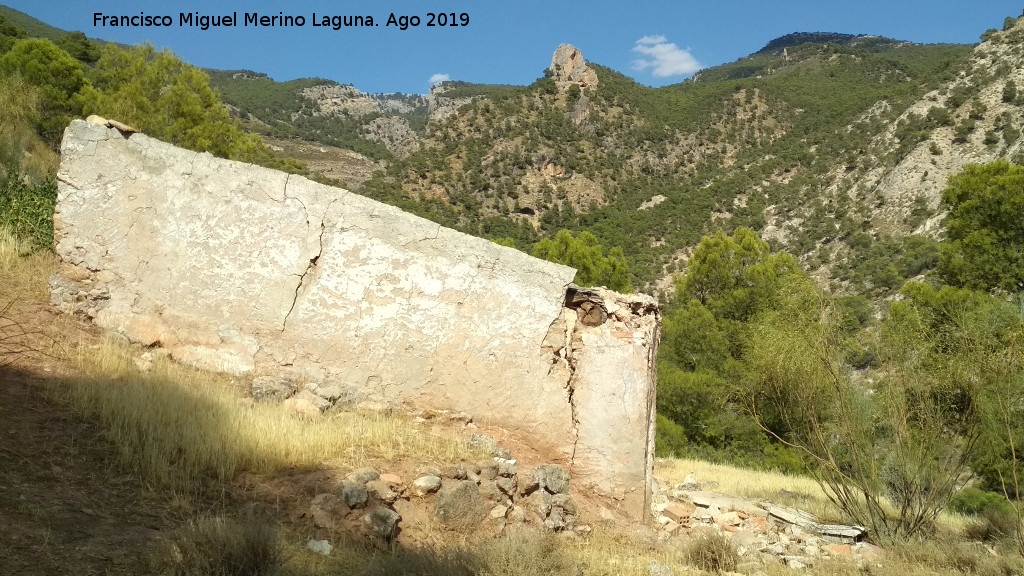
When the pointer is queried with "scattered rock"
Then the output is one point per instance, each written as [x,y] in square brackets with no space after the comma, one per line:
[455,472]
[553,478]
[459,505]
[330,393]
[362,475]
[320,547]
[516,515]
[527,480]
[300,407]
[461,417]
[483,442]
[565,502]
[488,469]
[506,468]
[556,520]
[489,491]
[327,511]
[271,388]
[727,519]
[305,395]
[382,522]
[392,479]
[797,562]
[426,485]
[506,485]
[539,502]
[429,471]
[382,491]
[498,511]
[354,494]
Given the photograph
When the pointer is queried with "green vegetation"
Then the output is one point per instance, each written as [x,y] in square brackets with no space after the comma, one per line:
[26,210]
[59,78]
[170,100]
[986,236]
[593,267]
[703,356]
[43,85]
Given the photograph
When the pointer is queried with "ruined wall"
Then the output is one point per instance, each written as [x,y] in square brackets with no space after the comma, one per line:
[242,269]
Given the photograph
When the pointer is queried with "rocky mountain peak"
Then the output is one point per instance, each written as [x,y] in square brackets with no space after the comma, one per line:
[568,67]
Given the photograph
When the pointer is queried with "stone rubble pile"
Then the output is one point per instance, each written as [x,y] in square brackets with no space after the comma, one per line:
[485,497]
[761,532]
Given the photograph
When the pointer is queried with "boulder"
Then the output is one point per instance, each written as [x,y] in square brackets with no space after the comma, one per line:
[301,407]
[380,490]
[307,396]
[382,522]
[553,478]
[354,494]
[426,485]
[459,505]
[327,511]
[362,475]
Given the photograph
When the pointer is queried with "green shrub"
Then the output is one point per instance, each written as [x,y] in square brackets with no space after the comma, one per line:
[974,502]
[27,210]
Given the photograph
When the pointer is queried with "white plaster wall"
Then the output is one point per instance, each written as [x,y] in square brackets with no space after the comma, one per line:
[238,268]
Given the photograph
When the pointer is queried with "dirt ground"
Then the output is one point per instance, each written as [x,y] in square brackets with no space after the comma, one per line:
[65,506]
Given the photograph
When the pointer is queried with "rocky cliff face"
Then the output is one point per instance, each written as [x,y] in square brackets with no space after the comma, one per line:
[393,132]
[335,99]
[975,98]
[569,68]
[440,106]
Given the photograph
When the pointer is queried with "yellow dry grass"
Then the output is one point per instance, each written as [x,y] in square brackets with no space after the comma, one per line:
[23,273]
[799,491]
[174,424]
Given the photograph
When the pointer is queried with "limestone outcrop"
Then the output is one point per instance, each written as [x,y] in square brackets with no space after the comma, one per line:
[568,68]
[247,270]
[440,106]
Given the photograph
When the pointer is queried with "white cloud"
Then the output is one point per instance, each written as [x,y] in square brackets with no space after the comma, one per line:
[438,78]
[664,58]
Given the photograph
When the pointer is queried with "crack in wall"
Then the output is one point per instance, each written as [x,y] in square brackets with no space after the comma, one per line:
[302,279]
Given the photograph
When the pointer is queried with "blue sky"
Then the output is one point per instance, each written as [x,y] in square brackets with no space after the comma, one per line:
[656,43]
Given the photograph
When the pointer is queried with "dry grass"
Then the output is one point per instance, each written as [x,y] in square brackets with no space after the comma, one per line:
[175,424]
[23,273]
[799,491]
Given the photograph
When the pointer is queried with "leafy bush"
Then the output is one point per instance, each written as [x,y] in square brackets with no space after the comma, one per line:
[974,502]
[985,247]
[584,254]
[57,75]
[27,210]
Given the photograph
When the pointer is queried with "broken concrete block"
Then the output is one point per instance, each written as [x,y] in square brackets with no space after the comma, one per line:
[242,269]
